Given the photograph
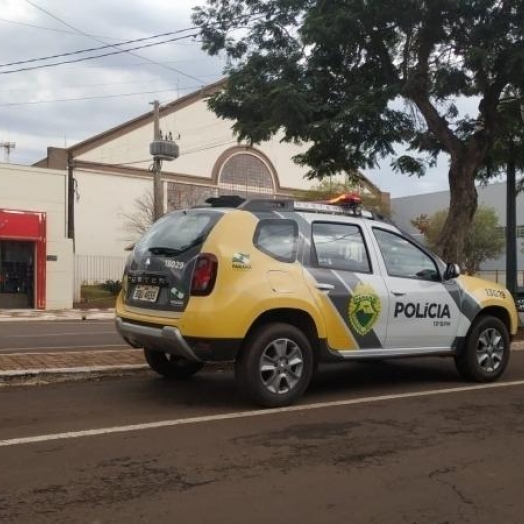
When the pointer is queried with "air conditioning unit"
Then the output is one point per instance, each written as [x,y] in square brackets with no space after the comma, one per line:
[164,149]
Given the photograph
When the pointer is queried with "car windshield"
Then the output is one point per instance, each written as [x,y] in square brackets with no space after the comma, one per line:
[177,232]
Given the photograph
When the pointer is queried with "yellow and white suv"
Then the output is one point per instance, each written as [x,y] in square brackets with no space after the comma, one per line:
[280,285]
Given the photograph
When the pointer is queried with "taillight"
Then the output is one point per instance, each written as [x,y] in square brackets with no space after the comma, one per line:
[204,275]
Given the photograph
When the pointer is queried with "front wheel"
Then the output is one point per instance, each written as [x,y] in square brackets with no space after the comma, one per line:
[486,352]
[275,365]
[171,366]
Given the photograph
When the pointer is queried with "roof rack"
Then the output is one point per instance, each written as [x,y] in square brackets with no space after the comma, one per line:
[331,209]
[348,205]
[225,201]
[268,204]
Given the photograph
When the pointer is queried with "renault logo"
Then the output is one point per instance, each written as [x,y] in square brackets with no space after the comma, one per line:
[148,261]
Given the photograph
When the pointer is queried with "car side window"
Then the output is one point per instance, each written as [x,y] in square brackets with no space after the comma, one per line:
[340,246]
[277,238]
[404,259]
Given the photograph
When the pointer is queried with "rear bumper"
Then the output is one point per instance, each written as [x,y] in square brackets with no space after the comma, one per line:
[169,339]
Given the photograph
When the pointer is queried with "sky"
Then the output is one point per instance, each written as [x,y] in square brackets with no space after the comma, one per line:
[65,104]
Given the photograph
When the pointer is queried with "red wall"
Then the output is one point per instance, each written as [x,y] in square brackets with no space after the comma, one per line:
[28,226]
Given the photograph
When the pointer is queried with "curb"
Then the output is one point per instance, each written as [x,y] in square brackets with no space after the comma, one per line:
[32,376]
[65,371]
[65,314]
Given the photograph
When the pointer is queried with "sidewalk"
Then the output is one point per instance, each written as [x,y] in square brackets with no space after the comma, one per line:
[42,366]
[70,362]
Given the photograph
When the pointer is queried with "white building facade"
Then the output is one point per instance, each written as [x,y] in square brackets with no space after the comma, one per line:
[112,170]
[36,257]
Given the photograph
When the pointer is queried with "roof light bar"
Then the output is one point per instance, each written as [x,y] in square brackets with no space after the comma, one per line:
[346,199]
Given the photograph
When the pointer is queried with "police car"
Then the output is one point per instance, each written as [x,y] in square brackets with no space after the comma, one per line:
[278,286]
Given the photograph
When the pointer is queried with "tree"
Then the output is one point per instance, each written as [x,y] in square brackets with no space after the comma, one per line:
[483,242]
[507,153]
[180,196]
[137,222]
[353,79]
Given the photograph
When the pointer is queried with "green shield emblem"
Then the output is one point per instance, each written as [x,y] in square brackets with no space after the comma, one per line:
[364,309]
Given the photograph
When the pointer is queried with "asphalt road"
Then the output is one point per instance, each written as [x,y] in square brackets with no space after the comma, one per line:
[48,336]
[400,442]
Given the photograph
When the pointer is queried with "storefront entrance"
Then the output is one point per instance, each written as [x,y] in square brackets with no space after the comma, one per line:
[22,259]
[17,274]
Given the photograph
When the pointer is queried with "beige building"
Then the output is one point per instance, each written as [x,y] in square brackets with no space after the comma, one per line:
[64,221]
[112,170]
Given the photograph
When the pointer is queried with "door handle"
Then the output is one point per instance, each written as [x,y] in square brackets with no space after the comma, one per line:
[324,287]
[398,293]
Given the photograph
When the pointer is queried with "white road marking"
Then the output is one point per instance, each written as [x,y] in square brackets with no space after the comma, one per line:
[247,414]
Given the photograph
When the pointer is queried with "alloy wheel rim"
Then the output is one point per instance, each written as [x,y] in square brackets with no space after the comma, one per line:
[281,366]
[490,350]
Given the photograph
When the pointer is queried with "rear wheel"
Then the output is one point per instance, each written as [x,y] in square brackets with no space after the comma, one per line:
[486,353]
[275,365]
[171,366]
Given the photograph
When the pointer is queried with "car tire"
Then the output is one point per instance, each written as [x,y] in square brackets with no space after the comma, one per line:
[485,354]
[275,365]
[171,366]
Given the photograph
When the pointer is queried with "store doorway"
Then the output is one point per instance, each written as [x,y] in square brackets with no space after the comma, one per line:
[17,275]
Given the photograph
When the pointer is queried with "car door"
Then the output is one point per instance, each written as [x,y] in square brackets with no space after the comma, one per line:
[423,309]
[355,305]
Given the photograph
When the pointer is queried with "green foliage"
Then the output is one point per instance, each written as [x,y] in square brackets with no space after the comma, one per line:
[331,73]
[95,296]
[509,144]
[351,80]
[113,286]
[483,242]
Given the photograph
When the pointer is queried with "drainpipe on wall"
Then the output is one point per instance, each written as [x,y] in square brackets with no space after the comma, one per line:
[70,199]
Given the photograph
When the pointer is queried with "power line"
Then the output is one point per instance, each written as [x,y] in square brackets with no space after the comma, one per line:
[101,97]
[102,42]
[188,152]
[64,31]
[191,151]
[80,86]
[112,53]
[51,28]
[89,50]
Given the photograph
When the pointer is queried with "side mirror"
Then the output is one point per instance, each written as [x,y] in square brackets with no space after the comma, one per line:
[452,271]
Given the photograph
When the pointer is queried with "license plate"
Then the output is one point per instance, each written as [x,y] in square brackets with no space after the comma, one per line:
[146,293]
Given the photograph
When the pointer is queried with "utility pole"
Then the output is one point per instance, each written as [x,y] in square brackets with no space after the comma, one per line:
[7,146]
[158,194]
[162,148]
[511,223]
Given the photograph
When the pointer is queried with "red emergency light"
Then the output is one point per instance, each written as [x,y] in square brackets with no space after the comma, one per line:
[346,199]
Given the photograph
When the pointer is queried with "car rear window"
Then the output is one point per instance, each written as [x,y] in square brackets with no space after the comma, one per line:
[277,238]
[178,232]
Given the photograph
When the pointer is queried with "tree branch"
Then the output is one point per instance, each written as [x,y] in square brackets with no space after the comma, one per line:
[417,90]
